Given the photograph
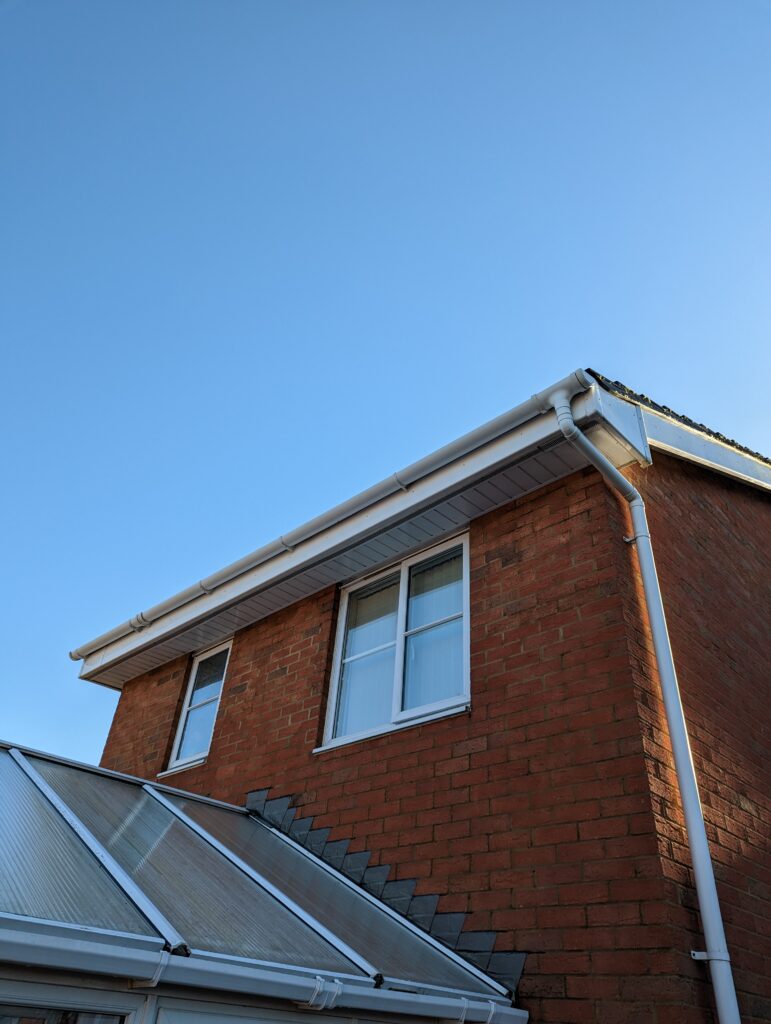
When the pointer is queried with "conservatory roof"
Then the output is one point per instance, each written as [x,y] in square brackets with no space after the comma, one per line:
[104,873]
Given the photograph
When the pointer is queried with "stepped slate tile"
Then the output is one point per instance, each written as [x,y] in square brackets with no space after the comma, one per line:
[355,864]
[480,960]
[446,927]
[507,968]
[375,878]
[476,942]
[275,810]
[316,840]
[300,828]
[421,911]
[255,800]
[287,820]
[334,853]
[398,895]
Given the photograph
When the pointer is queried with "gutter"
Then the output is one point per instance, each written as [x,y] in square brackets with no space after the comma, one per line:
[139,958]
[571,385]
[716,954]
[325,993]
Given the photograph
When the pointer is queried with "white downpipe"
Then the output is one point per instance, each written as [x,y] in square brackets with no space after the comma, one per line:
[706,891]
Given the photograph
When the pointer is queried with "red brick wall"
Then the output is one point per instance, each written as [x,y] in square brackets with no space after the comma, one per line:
[533,812]
[710,537]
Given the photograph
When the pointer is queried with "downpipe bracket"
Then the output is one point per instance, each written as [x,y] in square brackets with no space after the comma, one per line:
[706,955]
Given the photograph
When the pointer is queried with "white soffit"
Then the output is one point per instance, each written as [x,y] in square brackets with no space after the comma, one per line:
[682,441]
[528,457]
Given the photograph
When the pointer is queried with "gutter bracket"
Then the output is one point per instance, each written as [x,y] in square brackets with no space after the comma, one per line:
[162,965]
[323,998]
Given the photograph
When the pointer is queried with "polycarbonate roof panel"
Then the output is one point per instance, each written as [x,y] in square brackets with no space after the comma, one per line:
[45,870]
[393,948]
[213,905]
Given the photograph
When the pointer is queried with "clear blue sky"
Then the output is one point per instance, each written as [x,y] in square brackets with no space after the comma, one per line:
[257,255]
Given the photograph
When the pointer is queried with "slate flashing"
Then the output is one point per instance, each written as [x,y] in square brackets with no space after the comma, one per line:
[476,947]
[355,864]
[398,894]
[334,853]
[375,878]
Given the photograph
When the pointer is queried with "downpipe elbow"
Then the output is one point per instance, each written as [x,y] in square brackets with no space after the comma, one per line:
[560,402]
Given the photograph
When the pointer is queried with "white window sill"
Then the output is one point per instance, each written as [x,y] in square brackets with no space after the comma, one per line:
[181,767]
[383,730]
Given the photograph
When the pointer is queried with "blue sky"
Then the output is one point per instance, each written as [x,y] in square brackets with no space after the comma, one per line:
[257,255]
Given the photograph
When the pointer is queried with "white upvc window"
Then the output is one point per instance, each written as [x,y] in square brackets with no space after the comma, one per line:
[402,646]
[202,698]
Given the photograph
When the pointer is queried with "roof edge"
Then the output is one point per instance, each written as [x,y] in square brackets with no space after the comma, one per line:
[574,383]
[615,387]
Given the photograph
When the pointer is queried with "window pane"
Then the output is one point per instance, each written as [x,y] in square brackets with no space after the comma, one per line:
[366,693]
[433,664]
[436,589]
[196,735]
[372,618]
[29,1015]
[208,678]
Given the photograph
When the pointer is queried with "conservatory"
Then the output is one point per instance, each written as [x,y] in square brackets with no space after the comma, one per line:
[123,902]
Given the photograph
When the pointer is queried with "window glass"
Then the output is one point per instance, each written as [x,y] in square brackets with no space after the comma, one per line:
[366,692]
[29,1015]
[372,618]
[433,664]
[208,678]
[436,590]
[197,732]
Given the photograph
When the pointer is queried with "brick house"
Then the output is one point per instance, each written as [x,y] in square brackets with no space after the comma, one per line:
[447,690]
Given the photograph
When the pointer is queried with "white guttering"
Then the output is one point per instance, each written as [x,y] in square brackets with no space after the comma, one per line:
[401,481]
[60,947]
[327,993]
[712,923]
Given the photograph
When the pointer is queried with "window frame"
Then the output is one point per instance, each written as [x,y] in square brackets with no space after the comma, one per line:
[174,761]
[401,719]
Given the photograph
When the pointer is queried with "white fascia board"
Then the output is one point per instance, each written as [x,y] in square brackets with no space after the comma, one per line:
[617,431]
[678,439]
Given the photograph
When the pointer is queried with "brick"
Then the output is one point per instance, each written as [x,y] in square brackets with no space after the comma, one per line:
[550,810]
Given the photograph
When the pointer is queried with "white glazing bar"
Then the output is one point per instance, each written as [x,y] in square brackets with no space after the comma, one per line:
[372,650]
[131,890]
[430,625]
[334,940]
